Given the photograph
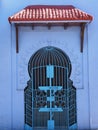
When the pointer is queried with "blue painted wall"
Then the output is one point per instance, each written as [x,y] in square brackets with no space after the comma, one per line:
[11,94]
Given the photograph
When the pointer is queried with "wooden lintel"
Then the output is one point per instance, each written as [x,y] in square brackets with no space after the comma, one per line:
[82,36]
[17,46]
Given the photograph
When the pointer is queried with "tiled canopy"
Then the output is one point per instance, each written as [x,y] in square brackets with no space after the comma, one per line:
[49,13]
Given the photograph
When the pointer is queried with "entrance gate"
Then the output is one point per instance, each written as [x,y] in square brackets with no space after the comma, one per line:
[50,99]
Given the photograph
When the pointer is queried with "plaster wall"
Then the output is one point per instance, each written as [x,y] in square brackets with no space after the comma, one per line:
[13,67]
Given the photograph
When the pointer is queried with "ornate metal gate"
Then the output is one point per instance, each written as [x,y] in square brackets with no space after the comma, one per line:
[50,97]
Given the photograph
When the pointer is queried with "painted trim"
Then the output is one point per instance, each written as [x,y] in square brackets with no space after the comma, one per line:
[67,21]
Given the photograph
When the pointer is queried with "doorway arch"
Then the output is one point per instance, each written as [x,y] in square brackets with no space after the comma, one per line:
[50,97]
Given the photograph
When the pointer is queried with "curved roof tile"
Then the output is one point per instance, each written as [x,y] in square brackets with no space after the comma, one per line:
[41,13]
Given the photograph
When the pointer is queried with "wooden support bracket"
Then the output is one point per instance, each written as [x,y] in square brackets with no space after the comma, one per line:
[65,25]
[82,36]
[49,26]
[17,46]
[32,26]
[82,27]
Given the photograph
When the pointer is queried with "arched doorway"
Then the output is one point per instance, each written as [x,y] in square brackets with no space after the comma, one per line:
[50,97]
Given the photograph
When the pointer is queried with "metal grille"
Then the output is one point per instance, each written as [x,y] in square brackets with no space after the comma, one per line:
[28,104]
[50,97]
[40,96]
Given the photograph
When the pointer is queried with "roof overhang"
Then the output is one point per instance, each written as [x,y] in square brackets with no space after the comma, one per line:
[51,15]
[72,21]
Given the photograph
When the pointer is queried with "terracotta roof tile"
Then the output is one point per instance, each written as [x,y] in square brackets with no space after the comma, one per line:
[50,13]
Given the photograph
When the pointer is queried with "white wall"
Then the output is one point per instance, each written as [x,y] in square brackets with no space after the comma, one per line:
[13,66]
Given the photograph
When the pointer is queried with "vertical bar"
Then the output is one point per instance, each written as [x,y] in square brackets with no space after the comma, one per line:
[56,84]
[32,99]
[17,47]
[40,72]
[50,71]
[67,99]
[82,37]
[67,96]
[59,82]
[62,77]
[50,100]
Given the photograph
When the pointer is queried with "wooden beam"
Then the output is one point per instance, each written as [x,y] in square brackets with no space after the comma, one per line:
[82,36]
[17,46]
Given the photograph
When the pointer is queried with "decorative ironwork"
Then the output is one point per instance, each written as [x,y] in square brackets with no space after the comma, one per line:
[50,97]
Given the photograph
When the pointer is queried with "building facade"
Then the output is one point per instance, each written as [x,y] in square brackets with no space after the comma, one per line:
[14,66]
